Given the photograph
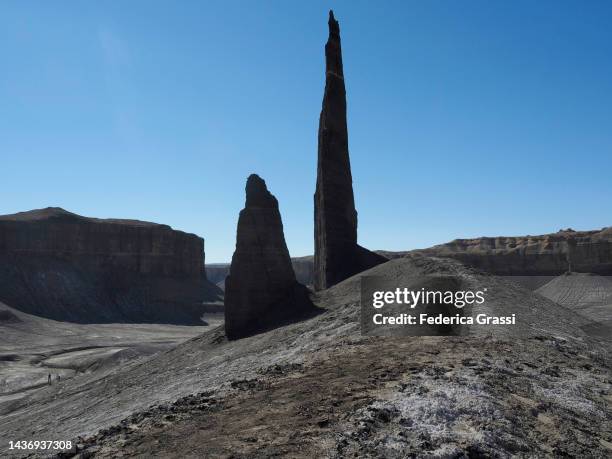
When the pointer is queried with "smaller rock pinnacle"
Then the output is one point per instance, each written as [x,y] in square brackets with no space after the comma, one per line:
[257,194]
[261,290]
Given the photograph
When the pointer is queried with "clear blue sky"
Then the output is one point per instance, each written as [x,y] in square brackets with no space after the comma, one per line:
[465,118]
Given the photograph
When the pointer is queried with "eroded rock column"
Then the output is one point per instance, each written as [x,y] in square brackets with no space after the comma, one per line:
[337,255]
[261,290]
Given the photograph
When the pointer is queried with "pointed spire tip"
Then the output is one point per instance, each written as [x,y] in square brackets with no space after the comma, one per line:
[334,27]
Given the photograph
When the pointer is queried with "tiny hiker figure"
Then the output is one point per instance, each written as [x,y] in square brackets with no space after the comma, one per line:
[49,379]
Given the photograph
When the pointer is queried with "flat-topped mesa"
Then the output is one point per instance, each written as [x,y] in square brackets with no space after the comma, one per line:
[137,246]
[543,255]
[337,255]
[64,266]
[260,290]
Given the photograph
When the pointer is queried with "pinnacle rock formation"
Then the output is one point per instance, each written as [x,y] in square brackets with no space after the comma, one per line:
[337,255]
[261,290]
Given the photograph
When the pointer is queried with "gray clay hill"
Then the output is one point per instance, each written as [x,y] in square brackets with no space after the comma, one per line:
[588,295]
[578,290]
[318,386]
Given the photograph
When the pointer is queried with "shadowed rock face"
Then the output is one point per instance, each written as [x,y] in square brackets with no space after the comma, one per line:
[63,266]
[261,290]
[337,255]
[303,267]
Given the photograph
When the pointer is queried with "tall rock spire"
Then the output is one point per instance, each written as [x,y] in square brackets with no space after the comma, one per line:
[261,290]
[337,255]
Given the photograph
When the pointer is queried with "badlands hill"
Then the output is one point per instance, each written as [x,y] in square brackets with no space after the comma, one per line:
[589,295]
[578,290]
[319,388]
[63,266]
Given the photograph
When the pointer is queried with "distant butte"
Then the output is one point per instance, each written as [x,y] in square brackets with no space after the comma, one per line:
[63,266]
[543,255]
[337,254]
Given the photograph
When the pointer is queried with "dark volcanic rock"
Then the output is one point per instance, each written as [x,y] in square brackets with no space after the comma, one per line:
[261,290]
[337,255]
[63,266]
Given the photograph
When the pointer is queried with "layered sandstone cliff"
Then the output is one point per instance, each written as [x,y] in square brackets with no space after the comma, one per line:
[63,266]
[545,255]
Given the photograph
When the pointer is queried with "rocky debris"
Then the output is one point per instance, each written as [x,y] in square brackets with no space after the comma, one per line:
[247,384]
[489,405]
[278,370]
[261,290]
[368,400]
[337,255]
[155,417]
[63,266]
[544,255]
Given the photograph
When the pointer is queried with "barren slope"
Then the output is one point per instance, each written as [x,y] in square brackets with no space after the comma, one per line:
[589,295]
[33,347]
[318,388]
[579,291]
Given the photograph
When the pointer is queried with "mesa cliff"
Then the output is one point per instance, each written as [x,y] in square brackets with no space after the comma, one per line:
[545,255]
[542,255]
[63,266]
